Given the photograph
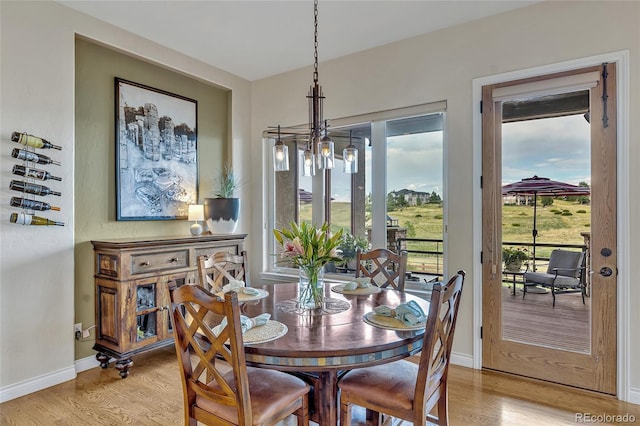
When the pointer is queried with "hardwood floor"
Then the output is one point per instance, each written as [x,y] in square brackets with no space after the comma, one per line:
[152,395]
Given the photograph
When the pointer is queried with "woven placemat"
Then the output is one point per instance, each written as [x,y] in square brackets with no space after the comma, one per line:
[265,333]
[243,297]
[372,289]
[390,323]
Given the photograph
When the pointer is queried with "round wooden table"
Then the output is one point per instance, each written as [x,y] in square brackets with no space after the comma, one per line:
[320,347]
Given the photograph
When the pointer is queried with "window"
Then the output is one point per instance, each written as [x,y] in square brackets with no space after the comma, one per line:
[395,199]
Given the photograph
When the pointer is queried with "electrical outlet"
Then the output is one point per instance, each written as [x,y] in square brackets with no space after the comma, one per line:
[77,329]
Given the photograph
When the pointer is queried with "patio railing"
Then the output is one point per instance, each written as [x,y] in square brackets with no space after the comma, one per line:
[425,255]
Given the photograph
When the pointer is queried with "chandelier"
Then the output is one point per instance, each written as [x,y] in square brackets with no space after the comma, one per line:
[319,146]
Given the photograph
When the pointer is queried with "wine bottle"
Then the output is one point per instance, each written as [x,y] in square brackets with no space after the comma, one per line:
[21,154]
[28,204]
[34,141]
[31,188]
[29,219]
[20,170]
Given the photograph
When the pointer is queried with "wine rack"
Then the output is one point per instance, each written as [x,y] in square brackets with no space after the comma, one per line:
[132,298]
[29,181]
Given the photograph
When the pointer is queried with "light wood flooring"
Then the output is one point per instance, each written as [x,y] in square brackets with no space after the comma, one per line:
[152,395]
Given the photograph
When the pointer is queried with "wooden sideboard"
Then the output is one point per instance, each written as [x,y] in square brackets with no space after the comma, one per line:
[132,295]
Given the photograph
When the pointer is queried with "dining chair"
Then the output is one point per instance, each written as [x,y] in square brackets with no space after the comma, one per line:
[218,387]
[384,267]
[215,271]
[403,389]
[564,274]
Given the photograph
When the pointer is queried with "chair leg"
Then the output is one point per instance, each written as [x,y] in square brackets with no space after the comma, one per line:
[553,294]
[443,406]
[303,412]
[345,413]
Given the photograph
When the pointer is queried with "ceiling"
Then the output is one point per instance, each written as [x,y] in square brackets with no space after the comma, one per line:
[257,39]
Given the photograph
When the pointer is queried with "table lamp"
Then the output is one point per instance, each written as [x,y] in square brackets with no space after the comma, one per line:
[196,213]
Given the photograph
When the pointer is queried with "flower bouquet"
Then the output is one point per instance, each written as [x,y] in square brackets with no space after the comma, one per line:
[309,249]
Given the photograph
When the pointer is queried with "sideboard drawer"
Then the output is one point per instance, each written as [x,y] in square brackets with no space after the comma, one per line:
[209,251]
[152,262]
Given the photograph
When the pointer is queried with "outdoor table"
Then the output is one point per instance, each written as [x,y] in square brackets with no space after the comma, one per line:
[321,346]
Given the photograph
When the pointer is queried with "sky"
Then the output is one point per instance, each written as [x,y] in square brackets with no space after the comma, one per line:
[555,148]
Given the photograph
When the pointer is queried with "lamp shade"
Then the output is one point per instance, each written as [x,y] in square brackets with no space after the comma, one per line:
[280,157]
[196,212]
[350,159]
[325,153]
[308,163]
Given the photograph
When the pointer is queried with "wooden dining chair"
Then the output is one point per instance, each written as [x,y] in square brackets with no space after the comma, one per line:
[403,389]
[218,387]
[215,271]
[384,267]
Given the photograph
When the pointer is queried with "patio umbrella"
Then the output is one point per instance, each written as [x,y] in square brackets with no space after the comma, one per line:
[542,186]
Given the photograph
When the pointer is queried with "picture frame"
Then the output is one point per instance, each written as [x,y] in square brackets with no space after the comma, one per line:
[156,153]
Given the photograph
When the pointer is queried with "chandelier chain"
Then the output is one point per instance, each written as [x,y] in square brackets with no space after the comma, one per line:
[315,41]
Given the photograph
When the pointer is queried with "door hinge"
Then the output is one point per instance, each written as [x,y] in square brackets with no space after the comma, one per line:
[481,254]
[481,332]
[481,183]
[480,107]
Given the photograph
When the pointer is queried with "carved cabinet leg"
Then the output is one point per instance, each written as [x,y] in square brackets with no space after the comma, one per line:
[123,365]
[103,359]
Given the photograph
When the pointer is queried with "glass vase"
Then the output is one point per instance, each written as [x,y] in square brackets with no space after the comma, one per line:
[311,287]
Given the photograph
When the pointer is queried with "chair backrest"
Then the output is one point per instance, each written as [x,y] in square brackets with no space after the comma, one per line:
[437,344]
[216,271]
[569,263]
[205,358]
[384,267]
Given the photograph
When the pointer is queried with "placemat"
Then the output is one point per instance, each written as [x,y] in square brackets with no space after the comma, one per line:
[242,297]
[372,289]
[390,323]
[272,330]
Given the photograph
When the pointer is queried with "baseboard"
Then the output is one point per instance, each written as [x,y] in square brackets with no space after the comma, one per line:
[634,396]
[16,390]
[463,360]
[85,364]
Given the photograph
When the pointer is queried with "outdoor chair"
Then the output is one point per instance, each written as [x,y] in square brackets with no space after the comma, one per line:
[384,267]
[564,274]
[404,389]
[218,387]
[216,271]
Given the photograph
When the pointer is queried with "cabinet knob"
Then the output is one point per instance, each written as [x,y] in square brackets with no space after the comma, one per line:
[145,263]
[174,260]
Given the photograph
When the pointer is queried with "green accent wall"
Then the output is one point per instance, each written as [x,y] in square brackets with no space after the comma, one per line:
[95,191]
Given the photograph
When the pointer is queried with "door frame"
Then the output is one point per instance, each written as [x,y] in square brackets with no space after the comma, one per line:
[621,58]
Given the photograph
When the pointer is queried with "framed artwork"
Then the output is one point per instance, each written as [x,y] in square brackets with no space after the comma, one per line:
[156,153]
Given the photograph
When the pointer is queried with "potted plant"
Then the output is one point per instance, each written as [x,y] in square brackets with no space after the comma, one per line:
[513,257]
[223,210]
[348,247]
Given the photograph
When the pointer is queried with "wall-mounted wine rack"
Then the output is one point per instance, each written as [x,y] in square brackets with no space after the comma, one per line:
[28,180]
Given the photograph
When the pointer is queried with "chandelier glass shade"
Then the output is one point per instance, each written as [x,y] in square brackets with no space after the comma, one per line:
[280,155]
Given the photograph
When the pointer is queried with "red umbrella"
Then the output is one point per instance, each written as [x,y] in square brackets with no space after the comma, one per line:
[545,187]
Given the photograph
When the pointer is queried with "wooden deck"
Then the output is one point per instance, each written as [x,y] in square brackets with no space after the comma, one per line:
[533,320]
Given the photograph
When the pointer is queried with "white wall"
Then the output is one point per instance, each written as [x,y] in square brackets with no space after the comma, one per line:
[37,263]
[442,66]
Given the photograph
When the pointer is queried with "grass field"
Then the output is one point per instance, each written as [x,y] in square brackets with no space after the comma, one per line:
[562,222]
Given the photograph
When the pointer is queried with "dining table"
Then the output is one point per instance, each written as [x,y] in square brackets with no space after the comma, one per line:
[320,345]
